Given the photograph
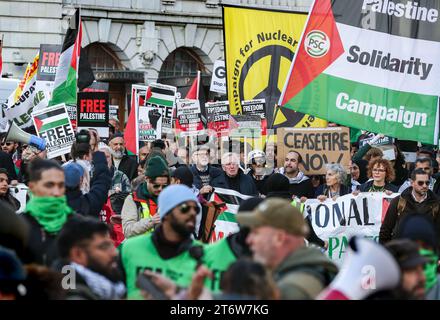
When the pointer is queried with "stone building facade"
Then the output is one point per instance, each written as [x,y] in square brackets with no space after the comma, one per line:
[128,41]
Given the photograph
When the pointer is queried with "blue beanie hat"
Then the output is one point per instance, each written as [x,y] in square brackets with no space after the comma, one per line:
[73,173]
[172,196]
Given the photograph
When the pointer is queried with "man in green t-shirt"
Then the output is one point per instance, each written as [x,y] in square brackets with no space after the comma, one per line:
[166,250]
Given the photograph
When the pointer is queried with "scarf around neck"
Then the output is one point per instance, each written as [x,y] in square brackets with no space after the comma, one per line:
[50,212]
[100,285]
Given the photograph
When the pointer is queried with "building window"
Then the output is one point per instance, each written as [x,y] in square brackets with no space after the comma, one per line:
[181,62]
[102,58]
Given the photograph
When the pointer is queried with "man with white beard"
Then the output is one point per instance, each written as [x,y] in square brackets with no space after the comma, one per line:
[121,160]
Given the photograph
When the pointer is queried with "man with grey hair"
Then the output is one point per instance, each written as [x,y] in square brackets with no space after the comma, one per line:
[206,176]
[121,160]
[235,177]
[334,186]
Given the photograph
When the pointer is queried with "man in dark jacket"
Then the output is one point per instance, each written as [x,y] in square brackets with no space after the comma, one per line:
[277,241]
[7,163]
[417,199]
[121,160]
[91,203]
[235,178]
[300,184]
[206,176]
[46,211]
[86,249]
[5,194]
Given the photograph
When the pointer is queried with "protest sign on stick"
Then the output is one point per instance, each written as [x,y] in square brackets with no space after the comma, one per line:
[189,118]
[163,98]
[93,112]
[53,125]
[217,115]
[317,146]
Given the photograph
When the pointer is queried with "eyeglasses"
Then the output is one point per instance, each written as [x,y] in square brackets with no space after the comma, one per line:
[185,208]
[379,170]
[7,143]
[159,186]
[421,183]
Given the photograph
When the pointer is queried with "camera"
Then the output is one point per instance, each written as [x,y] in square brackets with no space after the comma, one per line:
[83,136]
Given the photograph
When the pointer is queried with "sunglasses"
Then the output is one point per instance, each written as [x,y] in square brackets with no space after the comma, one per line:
[185,208]
[160,186]
[421,183]
[7,143]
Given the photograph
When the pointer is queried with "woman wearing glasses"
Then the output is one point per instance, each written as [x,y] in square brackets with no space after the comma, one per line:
[381,173]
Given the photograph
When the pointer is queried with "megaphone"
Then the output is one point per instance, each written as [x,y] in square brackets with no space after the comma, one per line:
[368,268]
[18,135]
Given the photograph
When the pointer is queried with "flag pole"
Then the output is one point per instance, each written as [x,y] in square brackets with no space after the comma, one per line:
[198,84]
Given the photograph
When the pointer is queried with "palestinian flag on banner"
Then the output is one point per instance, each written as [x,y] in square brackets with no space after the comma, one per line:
[372,65]
[51,119]
[164,98]
[66,78]
[161,95]
[226,222]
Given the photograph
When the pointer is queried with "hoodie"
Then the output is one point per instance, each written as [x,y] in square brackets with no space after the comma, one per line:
[300,186]
[303,274]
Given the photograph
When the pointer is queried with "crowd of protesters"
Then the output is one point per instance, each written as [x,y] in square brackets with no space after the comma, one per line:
[123,224]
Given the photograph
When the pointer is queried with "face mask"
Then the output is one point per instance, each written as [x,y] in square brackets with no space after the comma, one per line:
[430,268]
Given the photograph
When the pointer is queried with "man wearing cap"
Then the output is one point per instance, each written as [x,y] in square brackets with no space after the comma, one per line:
[206,176]
[420,229]
[90,203]
[121,160]
[139,209]
[166,250]
[276,240]
[411,263]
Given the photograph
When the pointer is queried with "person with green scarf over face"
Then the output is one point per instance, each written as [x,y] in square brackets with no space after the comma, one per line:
[46,211]
[422,231]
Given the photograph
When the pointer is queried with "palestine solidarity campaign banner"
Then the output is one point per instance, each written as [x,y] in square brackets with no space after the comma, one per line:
[370,64]
[337,221]
[259,48]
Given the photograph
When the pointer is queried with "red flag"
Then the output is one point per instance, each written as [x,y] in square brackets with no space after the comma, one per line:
[193,92]
[130,132]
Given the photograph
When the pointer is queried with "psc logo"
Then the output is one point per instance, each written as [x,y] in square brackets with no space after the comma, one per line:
[317,44]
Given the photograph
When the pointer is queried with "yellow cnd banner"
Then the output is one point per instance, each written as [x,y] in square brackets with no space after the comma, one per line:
[259,49]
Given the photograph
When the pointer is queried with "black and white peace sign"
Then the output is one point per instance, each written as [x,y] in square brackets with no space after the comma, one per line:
[271,92]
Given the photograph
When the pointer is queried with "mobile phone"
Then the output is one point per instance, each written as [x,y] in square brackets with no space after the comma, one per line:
[145,283]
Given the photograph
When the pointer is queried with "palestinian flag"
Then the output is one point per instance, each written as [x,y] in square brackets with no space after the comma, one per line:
[226,222]
[66,78]
[52,119]
[370,64]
